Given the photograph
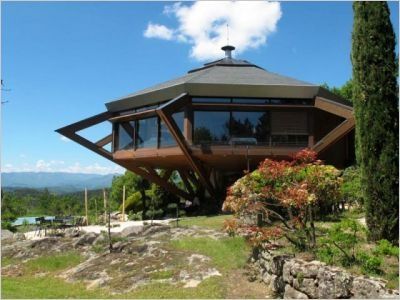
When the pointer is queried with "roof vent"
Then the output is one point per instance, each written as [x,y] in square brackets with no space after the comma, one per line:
[228,51]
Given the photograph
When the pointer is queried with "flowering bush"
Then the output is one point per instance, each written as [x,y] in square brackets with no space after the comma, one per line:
[290,191]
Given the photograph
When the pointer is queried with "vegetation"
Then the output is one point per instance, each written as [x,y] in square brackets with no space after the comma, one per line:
[376,112]
[289,194]
[295,193]
[226,254]
[345,91]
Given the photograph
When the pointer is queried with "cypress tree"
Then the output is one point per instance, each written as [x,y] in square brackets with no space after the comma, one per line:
[375,96]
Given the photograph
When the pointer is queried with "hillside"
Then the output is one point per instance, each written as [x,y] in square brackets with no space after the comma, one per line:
[57,182]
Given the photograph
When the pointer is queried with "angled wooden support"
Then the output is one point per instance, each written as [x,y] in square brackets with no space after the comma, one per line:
[155,178]
[186,182]
[164,112]
[335,108]
[70,132]
[341,130]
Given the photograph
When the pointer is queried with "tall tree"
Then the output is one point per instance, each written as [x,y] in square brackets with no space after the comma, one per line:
[375,96]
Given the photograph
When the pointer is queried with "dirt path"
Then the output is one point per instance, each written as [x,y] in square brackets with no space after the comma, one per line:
[239,287]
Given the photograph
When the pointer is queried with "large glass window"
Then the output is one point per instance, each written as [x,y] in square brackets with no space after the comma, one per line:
[211,127]
[147,133]
[249,127]
[166,138]
[125,135]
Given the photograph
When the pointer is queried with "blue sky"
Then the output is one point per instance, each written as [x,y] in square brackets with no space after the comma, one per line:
[62,61]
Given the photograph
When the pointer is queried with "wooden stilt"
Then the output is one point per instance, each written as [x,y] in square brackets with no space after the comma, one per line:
[86,208]
[123,203]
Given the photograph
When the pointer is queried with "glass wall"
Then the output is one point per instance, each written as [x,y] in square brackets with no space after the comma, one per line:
[166,138]
[147,133]
[250,126]
[125,136]
[211,127]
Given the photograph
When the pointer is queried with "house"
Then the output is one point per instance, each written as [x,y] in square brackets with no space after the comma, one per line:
[218,120]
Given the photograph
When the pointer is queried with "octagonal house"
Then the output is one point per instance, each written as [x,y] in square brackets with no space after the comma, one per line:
[217,121]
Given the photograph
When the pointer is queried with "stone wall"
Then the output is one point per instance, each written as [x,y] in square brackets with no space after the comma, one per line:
[293,278]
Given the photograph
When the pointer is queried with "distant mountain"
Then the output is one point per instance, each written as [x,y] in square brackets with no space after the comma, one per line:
[58,182]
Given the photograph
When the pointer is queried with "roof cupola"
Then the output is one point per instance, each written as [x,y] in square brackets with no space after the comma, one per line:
[228,51]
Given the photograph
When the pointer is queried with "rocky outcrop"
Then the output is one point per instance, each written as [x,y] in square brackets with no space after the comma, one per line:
[293,278]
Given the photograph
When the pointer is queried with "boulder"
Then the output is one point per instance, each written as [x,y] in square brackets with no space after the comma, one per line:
[277,284]
[286,271]
[72,233]
[370,289]
[334,283]
[131,231]
[19,236]
[86,239]
[291,293]
[6,234]
[307,286]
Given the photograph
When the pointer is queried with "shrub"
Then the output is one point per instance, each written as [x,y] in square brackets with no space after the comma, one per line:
[351,187]
[369,264]
[290,191]
[384,247]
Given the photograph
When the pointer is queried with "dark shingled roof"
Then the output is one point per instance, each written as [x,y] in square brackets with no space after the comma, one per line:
[224,77]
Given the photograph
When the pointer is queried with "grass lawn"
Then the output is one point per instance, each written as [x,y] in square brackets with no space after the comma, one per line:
[212,222]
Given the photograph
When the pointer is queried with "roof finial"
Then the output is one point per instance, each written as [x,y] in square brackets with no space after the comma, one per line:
[228,51]
[227,33]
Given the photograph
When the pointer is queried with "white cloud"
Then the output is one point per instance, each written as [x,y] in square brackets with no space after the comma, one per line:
[158,31]
[203,25]
[60,166]
[64,139]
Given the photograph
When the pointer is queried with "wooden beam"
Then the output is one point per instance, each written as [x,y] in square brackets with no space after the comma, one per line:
[134,116]
[335,108]
[179,138]
[174,104]
[186,182]
[70,132]
[334,135]
[105,140]
[160,181]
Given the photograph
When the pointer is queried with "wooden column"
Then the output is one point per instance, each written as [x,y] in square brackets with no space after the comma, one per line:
[86,208]
[188,124]
[123,203]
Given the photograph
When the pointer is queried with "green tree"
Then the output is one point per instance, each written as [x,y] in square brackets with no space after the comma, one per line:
[133,183]
[345,91]
[376,111]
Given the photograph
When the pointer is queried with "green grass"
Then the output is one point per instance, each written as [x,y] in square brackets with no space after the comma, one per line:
[210,288]
[212,222]
[52,263]
[165,274]
[226,254]
[48,287]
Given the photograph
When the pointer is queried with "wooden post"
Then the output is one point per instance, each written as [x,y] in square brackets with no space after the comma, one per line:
[105,206]
[123,203]
[95,210]
[86,207]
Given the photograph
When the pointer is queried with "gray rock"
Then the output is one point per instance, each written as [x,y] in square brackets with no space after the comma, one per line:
[308,286]
[334,283]
[367,288]
[72,233]
[6,234]
[101,239]
[286,272]
[131,231]
[291,293]
[86,239]
[19,236]
[277,284]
